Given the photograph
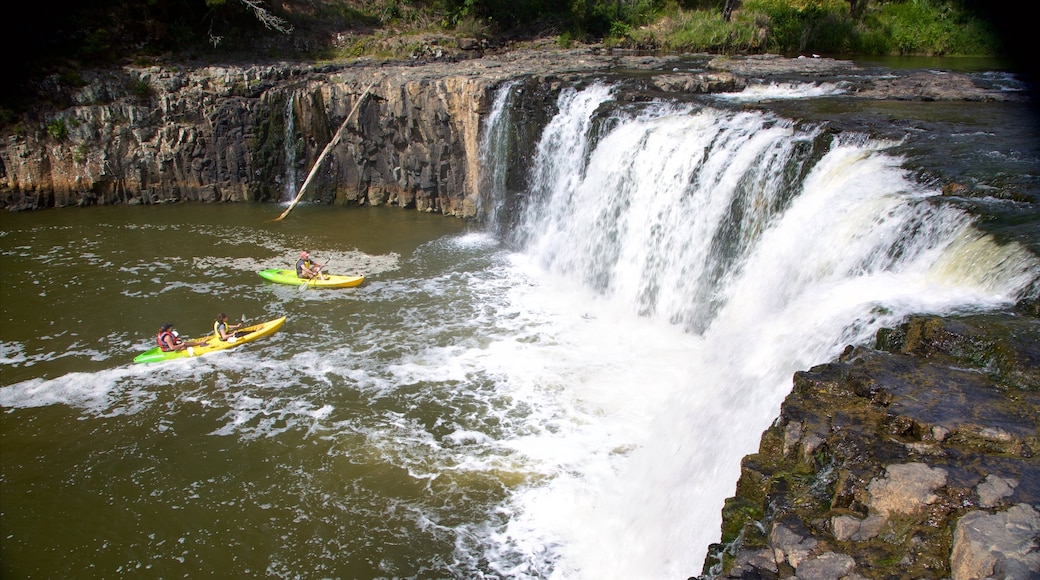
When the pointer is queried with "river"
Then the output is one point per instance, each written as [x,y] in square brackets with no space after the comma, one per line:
[567,397]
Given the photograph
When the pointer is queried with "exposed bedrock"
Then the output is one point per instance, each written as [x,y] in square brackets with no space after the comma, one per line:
[913,459]
[253,132]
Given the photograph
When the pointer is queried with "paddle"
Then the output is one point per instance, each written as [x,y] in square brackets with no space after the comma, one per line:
[177,336]
[310,280]
[189,344]
[240,333]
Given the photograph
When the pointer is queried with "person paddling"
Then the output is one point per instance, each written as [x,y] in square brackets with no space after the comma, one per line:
[222,330]
[305,268]
[169,341]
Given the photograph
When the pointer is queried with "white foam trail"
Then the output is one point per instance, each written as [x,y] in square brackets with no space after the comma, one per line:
[783,91]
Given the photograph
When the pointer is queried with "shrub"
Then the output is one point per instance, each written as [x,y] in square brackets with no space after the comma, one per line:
[701,31]
[57,129]
[79,155]
[140,89]
[799,25]
[925,27]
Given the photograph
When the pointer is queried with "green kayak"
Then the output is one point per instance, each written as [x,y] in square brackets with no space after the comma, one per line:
[212,343]
[289,277]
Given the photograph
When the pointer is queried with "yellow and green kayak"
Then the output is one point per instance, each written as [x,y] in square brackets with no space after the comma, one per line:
[289,277]
[212,343]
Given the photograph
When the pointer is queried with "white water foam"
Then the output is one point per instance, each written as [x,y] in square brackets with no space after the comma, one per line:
[595,391]
[651,422]
[783,91]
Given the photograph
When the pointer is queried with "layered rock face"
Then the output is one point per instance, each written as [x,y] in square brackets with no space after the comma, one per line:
[915,459]
[223,134]
[253,133]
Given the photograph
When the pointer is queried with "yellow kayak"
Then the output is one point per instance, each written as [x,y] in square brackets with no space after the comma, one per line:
[212,343]
[289,277]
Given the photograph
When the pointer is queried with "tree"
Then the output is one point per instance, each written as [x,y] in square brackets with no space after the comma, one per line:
[856,7]
[270,21]
[731,5]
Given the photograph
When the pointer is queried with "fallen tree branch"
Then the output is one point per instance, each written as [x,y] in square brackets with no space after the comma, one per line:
[335,140]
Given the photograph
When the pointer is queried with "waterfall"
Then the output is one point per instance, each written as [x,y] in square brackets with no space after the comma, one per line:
[495,147]
[290,147]
[750,247]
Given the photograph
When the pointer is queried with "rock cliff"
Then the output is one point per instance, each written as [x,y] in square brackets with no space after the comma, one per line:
[913,459]
[252,132]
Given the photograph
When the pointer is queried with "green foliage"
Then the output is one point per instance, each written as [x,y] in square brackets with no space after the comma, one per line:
[71,77]
[141,89]
[501,14]
[700,31]
[738,516]
[799,26]
[8,117]
[472,27]
[357,48]
[926,27]
[57,129]
[96,32]
[98,44]
[932,27]
[79,155]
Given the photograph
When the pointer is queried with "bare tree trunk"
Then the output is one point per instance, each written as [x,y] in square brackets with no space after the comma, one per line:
[727,10]
[329,147]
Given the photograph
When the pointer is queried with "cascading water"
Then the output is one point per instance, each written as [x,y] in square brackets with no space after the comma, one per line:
[495,147]
[573,404]
[290,147]
[716,253]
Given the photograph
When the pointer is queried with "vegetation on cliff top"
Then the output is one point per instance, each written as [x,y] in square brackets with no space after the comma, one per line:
[103,32]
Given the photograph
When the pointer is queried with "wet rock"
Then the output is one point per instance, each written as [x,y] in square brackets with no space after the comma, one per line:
[856,529]
[993,489]
[826,566]
[905,488]
[789,546]
[772,64]
[938,478]
[1003,544]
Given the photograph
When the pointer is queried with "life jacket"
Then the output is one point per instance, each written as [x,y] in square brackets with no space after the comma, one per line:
[300,265]
[216,328]
[160,338]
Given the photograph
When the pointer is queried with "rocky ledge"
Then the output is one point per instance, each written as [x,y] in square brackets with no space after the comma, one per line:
[250,132]
[913,459]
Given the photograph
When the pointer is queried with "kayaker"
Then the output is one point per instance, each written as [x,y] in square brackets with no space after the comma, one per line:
[168,339]
[221,329]
[305,268]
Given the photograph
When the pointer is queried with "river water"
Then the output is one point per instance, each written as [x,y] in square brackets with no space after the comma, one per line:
[567,397]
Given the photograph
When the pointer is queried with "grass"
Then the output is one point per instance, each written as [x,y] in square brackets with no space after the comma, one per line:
[917,27]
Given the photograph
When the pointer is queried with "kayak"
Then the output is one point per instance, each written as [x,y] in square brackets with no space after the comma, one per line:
[213,344]
[289,277]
